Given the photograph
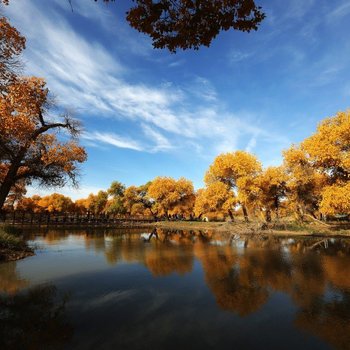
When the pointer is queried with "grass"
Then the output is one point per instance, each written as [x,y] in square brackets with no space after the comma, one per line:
[12,244]
[283,228]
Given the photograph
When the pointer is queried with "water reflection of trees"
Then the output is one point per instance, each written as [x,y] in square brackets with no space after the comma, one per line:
[242,274]
[10,280]
[328,320]
[34,319]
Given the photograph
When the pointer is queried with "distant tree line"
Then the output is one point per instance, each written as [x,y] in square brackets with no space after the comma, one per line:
[313,182]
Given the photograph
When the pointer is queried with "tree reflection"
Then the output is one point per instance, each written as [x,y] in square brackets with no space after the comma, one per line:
[34,319]
[11,281]
[235,289]
[242,273]
[328,320]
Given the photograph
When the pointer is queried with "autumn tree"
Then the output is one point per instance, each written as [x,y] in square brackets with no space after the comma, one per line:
[99,202]
[29,147]
[29,204]
[271,189]
[115,204]
[116,189]
[304,183]
[12,43]
[328,149]
[319,168]
[136,200]
[237,170]
[171,196]
[336,200]
[215,198]
[131,198]
[56,203]
[16,193]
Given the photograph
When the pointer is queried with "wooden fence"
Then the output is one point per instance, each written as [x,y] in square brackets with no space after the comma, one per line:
[27,218]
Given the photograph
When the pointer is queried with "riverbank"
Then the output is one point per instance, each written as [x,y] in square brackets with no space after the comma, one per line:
[13,246]
[242,228]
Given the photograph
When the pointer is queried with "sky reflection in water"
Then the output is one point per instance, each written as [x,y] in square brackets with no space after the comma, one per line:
[189,290]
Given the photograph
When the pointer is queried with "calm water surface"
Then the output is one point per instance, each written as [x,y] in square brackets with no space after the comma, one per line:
[176,290]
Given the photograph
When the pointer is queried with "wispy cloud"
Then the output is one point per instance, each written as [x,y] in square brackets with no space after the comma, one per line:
[236,56]
[86,75]
[161,142]
[113,140]
[340,11]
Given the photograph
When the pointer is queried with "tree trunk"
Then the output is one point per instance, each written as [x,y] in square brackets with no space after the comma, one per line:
[276,208]
[10,177]
[268,215]
[245,213]
[153,214]
[8,182]
[231,215]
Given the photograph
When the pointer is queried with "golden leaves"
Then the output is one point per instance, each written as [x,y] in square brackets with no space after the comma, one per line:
[172,196]
[216,197]
[329,148]
[336,199]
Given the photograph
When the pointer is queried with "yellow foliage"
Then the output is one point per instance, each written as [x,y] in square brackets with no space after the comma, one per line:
[329,148]
[216,197]
[229,167]
[172,196]
[56,203]
[270,189]
[29,151]
[238,171]
[336,199]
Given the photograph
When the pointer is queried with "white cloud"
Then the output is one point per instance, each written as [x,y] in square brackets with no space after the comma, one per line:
[236,56]
[113,139]
[85,75]
[161,142]
[251,144]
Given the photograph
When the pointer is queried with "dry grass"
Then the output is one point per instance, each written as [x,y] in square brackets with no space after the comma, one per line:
[12,247]
[287,228]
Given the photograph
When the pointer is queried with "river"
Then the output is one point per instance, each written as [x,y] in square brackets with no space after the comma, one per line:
[138,289]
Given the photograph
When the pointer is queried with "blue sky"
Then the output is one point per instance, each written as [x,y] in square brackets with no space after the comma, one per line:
[148,112]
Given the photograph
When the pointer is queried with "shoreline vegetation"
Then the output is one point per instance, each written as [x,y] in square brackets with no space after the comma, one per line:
[259,228]
[14,247]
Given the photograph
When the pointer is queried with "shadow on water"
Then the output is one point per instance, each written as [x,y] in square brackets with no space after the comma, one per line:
[34,319]
[183,288]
